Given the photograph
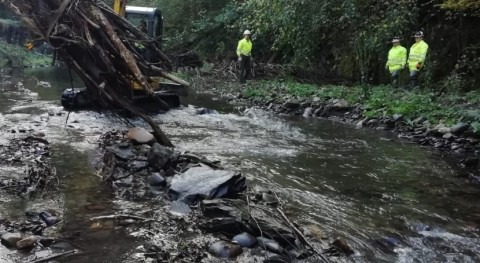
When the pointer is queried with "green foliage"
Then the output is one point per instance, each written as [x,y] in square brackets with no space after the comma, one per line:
[380,100]
[19,57]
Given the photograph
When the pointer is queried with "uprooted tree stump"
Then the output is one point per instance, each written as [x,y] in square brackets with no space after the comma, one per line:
[100,46]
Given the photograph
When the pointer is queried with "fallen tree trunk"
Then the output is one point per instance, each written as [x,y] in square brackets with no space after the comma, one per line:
[101,47]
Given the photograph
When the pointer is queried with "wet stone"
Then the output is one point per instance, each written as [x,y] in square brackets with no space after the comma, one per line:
[121,153]
[140,135]
[448,136]
[158,156]
[308,112]
[223,249]
[28,242]
[10,239]
[156,179]
[179,208]
[245,240]
[444,130]
[460,128]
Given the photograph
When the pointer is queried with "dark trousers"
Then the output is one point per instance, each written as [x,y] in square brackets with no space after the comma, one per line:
[245,68]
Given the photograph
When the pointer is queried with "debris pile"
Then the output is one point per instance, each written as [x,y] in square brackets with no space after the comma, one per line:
[26,168]
[204,207]
[101,47]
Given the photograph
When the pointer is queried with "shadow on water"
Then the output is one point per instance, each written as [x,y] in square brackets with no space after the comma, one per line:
[393,201]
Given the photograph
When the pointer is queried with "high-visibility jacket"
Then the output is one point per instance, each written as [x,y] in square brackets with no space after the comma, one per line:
[418,53]
[397,58]
[244,47]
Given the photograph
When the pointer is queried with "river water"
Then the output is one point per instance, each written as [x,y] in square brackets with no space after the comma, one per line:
[393,201]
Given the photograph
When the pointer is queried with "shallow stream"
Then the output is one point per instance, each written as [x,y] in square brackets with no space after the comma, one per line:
[393,201]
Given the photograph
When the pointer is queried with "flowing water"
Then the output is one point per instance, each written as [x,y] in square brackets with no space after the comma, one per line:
[393,201]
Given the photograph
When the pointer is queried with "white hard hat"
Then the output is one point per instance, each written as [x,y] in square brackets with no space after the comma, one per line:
[247,32]
[396,40]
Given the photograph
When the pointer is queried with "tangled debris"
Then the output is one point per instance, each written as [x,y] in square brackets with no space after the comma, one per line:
[101,47]
[30,155]
[204,208]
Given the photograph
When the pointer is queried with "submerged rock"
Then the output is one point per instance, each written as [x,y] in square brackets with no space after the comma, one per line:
[11,239]
[205,183]
[158,156]
[223,249]
[140,135]
[245,240]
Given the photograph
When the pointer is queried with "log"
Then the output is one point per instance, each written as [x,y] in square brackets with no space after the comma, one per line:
[100,47]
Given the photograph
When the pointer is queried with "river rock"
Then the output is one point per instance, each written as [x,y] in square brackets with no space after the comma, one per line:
[448,136]
[11,239]
[202,111]
[342,245]
[140,135]
[38,134]
[179,208]
[156,179]
[121,152]
[28,242]
[205,183]
[308,112]
[419,120]
[397,117]
[269,244]
[444,130]
[158,156]
[49,219]
[439,126]
[223,249]
[360,123]
[340,104]
[460,128]
[291,104]
[245,240]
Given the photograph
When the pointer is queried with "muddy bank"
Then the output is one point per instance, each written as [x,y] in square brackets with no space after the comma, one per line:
[204,212]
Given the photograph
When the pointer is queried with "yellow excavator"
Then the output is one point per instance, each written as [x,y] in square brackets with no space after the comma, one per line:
[150,21]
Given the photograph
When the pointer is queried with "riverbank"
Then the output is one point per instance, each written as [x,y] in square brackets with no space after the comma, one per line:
[449,123]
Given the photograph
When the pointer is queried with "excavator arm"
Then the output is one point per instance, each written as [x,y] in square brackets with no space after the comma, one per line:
[119,6]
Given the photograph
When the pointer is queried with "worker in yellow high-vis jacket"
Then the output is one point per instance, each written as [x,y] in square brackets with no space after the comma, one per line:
[416,58]
[397,59]
[244,53]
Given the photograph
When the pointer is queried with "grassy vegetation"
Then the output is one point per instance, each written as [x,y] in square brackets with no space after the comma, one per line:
[20,57]
[380,101]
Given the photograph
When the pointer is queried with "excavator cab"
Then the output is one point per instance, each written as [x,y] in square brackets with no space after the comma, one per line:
[151,17]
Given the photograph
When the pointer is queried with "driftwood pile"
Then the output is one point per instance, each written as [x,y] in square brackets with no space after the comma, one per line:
[101,47]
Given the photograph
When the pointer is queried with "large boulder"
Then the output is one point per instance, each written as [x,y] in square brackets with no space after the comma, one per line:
[202,182]
[158,156]
[140,135]
[340,105]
